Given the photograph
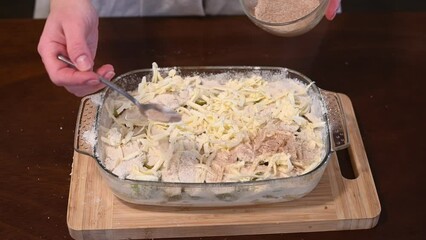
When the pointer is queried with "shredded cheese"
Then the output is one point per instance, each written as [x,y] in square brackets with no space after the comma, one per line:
[273,118]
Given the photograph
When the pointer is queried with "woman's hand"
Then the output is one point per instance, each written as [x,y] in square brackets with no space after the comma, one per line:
[71,29]
[332,8]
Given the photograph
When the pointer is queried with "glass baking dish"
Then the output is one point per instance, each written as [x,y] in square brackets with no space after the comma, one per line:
[93,118]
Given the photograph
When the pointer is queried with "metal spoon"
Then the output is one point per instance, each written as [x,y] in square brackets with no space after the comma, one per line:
[152,111]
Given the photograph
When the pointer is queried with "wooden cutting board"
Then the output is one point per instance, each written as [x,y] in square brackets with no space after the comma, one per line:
[336,203]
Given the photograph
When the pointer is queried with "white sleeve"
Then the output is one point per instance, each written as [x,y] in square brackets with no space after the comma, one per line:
[148,8]
[41,8]
[117,8]
[223,7]
[171,8]
[135,8]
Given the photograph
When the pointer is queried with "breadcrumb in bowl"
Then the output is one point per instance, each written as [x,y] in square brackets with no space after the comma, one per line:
[285,18]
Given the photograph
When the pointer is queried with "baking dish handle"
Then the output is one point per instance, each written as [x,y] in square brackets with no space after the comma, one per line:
[336,120]
[85,127]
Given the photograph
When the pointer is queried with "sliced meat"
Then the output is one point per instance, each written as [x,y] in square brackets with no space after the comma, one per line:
[168,100]
[169,174]
[215,174]
[125,167]
[114,156]
[187,171]
[242,152]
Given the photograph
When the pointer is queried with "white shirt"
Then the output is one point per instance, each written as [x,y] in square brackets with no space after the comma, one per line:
[141,8]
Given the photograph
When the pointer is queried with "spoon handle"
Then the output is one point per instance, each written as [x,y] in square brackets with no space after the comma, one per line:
[105,81]
[163,115]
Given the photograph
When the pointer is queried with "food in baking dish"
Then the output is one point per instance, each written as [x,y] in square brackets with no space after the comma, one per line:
[234,128]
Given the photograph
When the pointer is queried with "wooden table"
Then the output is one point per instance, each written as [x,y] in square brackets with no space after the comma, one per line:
[378,60]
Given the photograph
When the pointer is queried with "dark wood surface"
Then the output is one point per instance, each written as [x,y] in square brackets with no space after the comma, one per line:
[378,60]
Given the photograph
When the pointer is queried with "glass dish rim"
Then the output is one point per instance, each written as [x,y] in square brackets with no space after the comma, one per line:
[325,159]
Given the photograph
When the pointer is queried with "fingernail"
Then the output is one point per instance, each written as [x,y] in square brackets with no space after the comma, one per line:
[83,63]
[334,15]
[93,82]
[109,75]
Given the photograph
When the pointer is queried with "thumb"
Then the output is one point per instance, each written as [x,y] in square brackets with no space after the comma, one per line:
[332,8]
[78,49]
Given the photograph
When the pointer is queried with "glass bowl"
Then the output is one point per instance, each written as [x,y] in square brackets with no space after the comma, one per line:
[93,117]
[290,28]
